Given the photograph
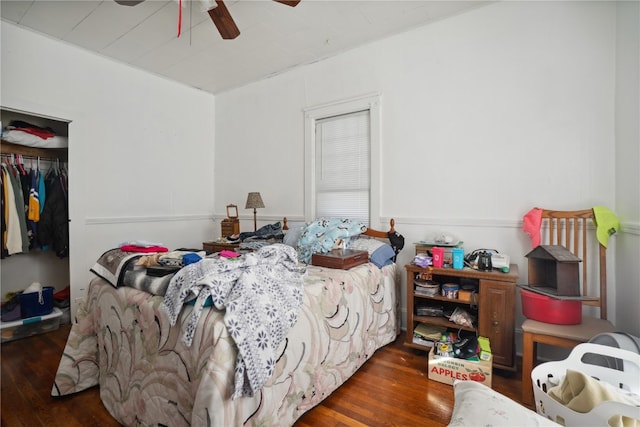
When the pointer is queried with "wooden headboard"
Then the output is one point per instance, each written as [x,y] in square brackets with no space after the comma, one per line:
[381,234]
[370,231]
[395,239]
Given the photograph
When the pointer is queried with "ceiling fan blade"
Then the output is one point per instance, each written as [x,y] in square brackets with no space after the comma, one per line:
[128,2]
[292,3]
[223,21]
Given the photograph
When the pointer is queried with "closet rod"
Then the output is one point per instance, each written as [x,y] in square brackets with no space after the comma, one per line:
[36,158]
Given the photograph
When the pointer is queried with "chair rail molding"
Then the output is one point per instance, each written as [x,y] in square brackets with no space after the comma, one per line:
[151,218]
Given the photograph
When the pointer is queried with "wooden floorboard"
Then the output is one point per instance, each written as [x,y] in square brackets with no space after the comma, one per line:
[391,389]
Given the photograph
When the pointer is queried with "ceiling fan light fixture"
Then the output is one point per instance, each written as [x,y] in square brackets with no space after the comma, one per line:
[207,5]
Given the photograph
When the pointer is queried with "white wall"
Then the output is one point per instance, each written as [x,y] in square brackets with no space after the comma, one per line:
[141,148]
[484,116]
[628,166]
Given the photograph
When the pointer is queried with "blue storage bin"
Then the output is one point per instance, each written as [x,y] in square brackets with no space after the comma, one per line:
[32,305]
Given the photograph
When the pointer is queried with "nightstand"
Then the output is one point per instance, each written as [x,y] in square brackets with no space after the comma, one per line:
[212,247]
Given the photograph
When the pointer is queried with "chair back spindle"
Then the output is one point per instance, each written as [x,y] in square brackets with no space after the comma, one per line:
[569,229]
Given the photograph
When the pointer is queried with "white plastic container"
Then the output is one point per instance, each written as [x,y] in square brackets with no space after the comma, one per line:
[547,375]
[23,328]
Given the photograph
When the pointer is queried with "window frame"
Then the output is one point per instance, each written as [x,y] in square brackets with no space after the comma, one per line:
[370,102]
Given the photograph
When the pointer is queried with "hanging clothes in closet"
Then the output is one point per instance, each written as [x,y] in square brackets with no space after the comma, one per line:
[53,228]
[34,208]
[11,236]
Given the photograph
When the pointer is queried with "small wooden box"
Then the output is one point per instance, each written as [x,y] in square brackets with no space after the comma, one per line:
[229,226]
[213,247]
[342,259]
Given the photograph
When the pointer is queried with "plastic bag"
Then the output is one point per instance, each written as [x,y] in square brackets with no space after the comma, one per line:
[461,317]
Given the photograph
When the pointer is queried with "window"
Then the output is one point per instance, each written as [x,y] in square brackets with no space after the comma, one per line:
[342,166]
[342,160]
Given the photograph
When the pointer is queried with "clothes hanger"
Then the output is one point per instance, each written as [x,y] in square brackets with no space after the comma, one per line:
[19,163]
[11,164]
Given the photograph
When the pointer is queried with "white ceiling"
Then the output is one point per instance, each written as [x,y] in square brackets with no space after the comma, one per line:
[273,38]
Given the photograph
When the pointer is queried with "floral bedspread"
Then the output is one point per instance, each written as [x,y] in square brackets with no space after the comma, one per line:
[123,342]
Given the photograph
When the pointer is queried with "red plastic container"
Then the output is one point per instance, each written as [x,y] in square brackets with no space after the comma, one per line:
[550,310]
[438,256]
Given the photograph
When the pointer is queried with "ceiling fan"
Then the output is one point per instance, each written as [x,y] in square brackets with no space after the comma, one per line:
[219,14]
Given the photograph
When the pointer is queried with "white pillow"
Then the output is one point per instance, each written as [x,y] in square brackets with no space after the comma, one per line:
[365,244]
[476,404]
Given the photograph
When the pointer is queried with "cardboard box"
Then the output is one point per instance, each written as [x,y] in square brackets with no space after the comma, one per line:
[448,369]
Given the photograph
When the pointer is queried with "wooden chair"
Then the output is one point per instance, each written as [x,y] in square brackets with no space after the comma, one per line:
[569,229]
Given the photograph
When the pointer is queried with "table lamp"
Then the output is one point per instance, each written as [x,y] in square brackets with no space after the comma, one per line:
[254,200]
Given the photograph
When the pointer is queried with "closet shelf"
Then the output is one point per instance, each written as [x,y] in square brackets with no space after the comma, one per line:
[49,153]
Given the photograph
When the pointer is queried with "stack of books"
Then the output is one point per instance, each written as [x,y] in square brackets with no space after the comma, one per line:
[426,335]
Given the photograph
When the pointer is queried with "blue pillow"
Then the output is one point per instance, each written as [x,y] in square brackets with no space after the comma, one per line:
[382,256]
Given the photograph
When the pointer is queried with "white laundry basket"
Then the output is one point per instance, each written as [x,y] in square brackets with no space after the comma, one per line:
[547,375]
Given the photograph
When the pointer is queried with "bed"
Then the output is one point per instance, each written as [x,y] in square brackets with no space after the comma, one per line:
[148,374]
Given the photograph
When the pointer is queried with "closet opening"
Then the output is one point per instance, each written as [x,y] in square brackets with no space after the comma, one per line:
[34,150]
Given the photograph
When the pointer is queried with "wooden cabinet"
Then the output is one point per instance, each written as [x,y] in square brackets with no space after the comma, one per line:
[229,227]
[495,307]
[497,318]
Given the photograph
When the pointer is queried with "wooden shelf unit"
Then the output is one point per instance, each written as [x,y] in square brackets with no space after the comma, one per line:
[496,308]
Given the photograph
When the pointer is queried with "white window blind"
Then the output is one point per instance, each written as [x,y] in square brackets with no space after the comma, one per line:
[343,157]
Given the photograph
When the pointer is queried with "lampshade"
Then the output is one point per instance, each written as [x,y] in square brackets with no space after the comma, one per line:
[254,200]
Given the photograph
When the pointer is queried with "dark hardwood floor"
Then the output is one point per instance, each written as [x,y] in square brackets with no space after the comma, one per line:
[391,389]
